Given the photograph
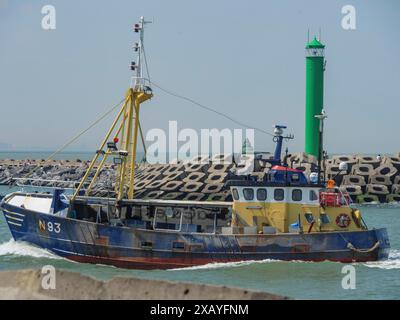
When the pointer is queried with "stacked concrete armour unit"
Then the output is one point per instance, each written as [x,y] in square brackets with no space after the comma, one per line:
[370,178]
[204,179]
[200,179]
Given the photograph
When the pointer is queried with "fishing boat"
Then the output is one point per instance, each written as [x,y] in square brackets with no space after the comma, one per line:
[287,216]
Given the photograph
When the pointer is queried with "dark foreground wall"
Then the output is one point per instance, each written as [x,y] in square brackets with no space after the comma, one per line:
[27,284]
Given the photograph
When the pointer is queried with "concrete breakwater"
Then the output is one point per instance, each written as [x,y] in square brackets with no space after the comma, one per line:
[368,179]
[27,284]
[203,179]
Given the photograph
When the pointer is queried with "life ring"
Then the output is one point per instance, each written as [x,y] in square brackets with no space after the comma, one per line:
[343,220]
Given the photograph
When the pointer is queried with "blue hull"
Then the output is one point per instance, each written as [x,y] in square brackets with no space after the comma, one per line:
[150,249]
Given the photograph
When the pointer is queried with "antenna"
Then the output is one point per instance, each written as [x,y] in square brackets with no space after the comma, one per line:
[138,80]
[278,138]
[321,117]
[319,34]
[308,35]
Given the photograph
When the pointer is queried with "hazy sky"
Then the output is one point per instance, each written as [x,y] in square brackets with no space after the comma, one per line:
[243,58]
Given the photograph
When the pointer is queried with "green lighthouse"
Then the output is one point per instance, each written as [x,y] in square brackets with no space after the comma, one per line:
[315,65]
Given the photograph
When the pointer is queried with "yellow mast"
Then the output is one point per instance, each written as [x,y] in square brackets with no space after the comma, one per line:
[128,129]
[133,153]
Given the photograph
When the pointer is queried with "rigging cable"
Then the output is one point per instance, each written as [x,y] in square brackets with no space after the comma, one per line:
[76,137]
[211,110]
[85,130]
[176,95]
[145,62]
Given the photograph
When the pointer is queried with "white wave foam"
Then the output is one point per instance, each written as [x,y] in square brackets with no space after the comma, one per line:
[218,265]
[393,262]
[19,248]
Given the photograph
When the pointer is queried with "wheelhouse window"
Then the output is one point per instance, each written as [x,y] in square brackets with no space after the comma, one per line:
[309,217]
[235,194]
[297,195]
[324,218]
[261,194]
[248,194]
[279,194]
[313,195]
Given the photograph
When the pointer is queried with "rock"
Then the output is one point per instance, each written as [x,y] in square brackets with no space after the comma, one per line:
[27,284]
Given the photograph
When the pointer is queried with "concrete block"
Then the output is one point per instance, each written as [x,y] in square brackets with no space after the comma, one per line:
[380,179]
[172,196]
[216,177]
[194,177]
[396,189]
[220,196]
[139,184]
[196,167]
[212,188]
[173,169]
[333,170]
[353,179]
[377,189]
[222,158]
[154,194]
[171,186]
[219,167]
[204,159]
[368,160]
[350,159]
[177,176]
[155,184]
[363,170]
[390,198]
[194,196]
[391,161]
[387,170]
[352,190]
[368,198]
[190,187]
